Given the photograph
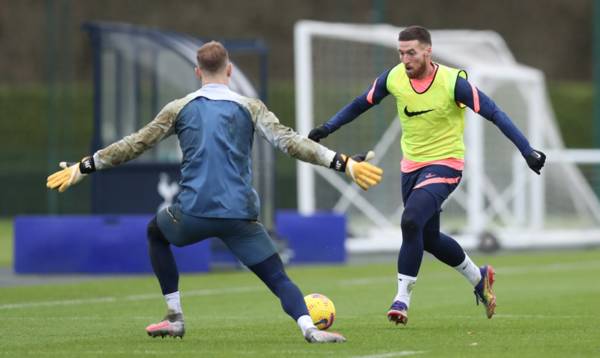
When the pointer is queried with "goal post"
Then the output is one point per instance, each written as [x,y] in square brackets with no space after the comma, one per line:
[335,62]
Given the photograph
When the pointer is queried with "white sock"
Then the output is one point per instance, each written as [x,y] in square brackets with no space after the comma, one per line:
[468,269]
[305,322]
[405,286]
[174,302]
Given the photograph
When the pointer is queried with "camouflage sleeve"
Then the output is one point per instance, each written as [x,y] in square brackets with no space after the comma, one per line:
[137,143]
[285,138]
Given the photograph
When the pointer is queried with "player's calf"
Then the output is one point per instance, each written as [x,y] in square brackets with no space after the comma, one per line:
[172,325]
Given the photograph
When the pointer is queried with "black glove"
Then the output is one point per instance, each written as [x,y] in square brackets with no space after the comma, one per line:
[536,160]
[318,133]
[363,156]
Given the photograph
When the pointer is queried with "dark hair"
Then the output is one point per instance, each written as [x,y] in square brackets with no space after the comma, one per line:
[415,32]
[212,57]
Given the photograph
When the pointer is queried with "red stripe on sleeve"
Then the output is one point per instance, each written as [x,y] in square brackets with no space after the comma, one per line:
[475,98]
[370,94]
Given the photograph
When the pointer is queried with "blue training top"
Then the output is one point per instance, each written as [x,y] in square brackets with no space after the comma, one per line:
[215,127]
[216,173]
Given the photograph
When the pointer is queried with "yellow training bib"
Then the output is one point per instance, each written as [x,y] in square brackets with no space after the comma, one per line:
[432,122]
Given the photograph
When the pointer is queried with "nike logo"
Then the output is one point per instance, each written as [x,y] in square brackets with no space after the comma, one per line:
[416,113]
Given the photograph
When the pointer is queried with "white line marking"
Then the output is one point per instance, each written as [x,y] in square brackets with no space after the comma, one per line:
[391,354]
[508,270]
[141,297]
[98,353]
[58,303]
[511,316]
[223,291]
[573,266]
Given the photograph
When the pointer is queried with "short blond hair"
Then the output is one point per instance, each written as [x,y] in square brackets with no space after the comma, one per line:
[212,57]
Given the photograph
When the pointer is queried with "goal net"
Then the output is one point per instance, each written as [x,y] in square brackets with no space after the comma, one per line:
[335,62]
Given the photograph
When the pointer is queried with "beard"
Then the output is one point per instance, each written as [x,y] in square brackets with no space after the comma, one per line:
[417,70]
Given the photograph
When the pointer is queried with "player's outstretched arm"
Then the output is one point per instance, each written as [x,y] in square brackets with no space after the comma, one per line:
[288,141]
[119,152]
[480,103]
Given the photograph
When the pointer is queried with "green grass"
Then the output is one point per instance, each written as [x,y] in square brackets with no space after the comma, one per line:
[6,242]
[547,306]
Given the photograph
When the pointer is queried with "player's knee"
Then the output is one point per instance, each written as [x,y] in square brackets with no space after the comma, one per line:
[410,221]
[154,234]
[430,245]
[271,272]
[430,239]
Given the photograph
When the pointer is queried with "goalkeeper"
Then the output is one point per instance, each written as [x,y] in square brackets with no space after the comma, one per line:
[215,128]
[430,100]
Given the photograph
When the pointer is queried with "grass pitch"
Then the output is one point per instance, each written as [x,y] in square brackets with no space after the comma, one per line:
[547,306]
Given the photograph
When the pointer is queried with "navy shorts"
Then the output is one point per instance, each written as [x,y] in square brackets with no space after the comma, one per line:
[247,239]
[438,180]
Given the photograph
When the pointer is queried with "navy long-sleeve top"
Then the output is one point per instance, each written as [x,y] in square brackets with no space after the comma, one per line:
[464,92]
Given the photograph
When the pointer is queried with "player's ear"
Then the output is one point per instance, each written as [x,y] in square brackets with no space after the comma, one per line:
[229,69]
[198,72]
[428,49]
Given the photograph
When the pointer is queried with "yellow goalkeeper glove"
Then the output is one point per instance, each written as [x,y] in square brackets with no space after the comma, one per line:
[71,174]
[358,169]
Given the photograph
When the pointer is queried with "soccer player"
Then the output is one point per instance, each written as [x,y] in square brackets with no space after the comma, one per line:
[215,127]
[430,99]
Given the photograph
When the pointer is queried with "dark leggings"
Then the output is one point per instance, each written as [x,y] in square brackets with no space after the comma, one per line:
[421,231]
[161,257]
[270,271]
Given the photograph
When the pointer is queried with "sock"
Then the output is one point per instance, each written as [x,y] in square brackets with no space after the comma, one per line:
[174,302]
[405,286]
[305,322]
[468,269]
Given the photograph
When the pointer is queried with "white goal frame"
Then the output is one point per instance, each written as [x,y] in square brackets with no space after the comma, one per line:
[454,46]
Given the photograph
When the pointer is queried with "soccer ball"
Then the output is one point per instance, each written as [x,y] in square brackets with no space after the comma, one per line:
[321,309]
